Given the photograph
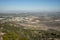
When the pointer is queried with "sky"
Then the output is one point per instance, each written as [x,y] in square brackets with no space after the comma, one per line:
[29,5]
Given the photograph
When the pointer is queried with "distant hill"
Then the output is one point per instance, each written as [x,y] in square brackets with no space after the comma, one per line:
[57,14]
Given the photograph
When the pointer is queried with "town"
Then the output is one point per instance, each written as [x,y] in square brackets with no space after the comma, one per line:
[34,24]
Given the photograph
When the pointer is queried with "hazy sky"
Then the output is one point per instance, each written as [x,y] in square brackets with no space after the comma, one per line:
[34,5]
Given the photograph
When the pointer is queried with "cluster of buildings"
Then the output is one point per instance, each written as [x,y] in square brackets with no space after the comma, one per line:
[30,19]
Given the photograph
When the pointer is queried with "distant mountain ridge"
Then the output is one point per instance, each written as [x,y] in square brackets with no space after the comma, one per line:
[31,13]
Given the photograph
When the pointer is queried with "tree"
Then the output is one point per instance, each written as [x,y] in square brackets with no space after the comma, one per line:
[10,36]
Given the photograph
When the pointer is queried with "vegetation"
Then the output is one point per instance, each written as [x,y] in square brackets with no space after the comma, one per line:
[18,33]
